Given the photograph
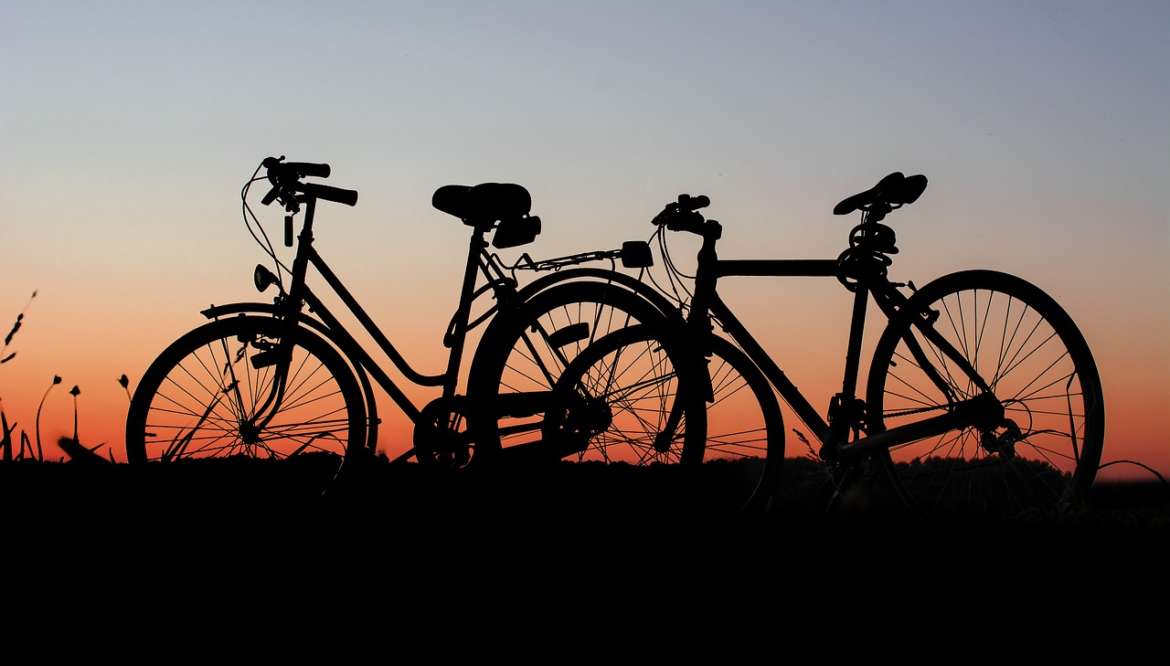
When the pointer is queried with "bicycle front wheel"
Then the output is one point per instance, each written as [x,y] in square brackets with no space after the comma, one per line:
[635,396]
[524,354]
[745,428]
[205,397]
[614,403]
[1046,449]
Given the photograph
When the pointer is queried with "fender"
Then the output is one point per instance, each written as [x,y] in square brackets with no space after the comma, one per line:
[620,280]
[482,361]
[640,288]
[217,311]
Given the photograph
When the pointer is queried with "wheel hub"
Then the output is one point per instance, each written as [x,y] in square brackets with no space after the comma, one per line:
[580,421]
[249,433]
[1002,439]
[590,417]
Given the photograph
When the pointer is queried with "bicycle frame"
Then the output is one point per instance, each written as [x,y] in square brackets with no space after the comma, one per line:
[299,295]
[834,433]
[289,306]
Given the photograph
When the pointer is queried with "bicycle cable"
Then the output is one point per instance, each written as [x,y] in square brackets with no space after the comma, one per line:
[650,274]
[266,244]
[679,275]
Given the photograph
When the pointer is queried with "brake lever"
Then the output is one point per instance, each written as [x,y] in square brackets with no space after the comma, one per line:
[664,217]
[271,196]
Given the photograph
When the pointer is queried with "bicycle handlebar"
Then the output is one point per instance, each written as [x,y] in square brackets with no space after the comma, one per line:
[337,194]
[309,169]
[285,178]
[277,167]
[683,215]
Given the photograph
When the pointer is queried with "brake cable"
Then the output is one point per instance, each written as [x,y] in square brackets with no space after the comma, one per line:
[266,244]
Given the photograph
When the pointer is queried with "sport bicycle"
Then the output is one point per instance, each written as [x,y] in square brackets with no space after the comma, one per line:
[285,379]
[981,391]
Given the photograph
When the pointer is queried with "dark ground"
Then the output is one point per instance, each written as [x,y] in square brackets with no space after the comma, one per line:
[250,495]
[664,534]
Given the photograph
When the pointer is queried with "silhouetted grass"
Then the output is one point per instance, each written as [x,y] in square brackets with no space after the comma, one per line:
[72,447]
[590,496]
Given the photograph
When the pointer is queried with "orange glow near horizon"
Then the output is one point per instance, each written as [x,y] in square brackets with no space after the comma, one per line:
[94,356]
[127,133]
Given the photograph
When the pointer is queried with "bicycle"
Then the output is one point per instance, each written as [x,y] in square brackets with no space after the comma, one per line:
[287,379]
[979,382]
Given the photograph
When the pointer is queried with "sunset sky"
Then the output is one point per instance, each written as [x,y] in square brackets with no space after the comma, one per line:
[127,129]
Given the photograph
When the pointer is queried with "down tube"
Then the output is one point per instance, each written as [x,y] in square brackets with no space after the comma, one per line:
[792,395]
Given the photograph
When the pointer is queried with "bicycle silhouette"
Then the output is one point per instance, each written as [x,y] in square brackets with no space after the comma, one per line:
[980,379]
[286,379]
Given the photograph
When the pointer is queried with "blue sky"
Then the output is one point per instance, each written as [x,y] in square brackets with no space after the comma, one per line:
[127,128]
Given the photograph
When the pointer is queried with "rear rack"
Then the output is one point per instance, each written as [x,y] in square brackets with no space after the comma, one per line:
[527,263]
[634,254]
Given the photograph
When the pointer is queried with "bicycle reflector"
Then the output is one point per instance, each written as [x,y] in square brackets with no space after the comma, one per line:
[516,232]
[263,278]
[636,254]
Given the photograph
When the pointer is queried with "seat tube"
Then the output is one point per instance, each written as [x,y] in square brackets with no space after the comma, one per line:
[856,329]
[463,313]
[844,403]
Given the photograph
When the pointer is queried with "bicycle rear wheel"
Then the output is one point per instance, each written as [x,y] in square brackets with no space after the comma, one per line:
[1045,451]
[200,398]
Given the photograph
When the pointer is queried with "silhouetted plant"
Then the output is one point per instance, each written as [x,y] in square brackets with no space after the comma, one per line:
[5,355]
[75,391]
[80,453]
[41,451]
[77,451]
[6,442]
[124,382]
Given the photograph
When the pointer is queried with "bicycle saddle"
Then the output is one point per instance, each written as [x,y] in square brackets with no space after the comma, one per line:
[484,203]
[895,190]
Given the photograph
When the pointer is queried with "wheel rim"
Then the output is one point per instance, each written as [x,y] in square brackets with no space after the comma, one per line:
[204,403]
[622,393]
[1035,362]
[552,339]
[736,425]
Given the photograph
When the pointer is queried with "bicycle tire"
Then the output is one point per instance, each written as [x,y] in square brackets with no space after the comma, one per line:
[503,362]
[750,420]
[299,428]
[738,434]
[615,398]
[1006,470]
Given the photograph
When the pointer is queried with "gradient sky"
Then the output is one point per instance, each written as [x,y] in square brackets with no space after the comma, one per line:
[126,130]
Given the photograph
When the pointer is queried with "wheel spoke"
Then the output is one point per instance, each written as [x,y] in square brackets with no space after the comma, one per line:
[1034,371]
[317,411]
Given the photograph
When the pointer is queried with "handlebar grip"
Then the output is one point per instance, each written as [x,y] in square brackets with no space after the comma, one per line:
[328,193]
[306,169]
[688,203]
[691,221]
